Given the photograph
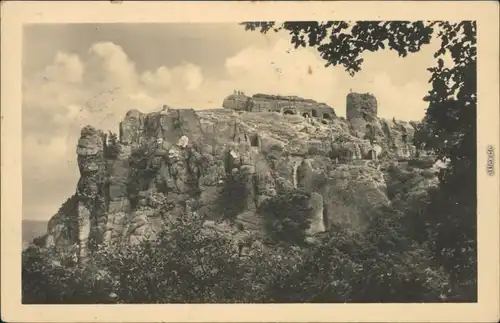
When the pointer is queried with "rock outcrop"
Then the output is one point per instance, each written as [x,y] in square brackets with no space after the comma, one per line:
[169,165]
[394,137]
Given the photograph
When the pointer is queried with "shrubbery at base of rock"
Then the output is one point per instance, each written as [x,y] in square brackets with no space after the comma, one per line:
[193,263]
[287,216]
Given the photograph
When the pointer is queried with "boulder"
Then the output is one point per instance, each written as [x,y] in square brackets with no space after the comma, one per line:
[131,127]
[317,221]
[91,141]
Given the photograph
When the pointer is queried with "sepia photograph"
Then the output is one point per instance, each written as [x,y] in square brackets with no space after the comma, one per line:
[252,161]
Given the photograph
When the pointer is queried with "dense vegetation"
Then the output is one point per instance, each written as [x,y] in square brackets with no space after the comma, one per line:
[190,263]
[449,126]
[233,196]
[286,216]
[417,249]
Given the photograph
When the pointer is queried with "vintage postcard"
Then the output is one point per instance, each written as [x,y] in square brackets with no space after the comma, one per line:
[250,161]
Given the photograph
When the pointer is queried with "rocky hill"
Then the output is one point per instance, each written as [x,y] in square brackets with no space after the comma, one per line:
[221,165]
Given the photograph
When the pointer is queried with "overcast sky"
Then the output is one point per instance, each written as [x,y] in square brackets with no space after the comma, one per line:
[81,74]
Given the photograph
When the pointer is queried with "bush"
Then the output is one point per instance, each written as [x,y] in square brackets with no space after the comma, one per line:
[48,280]
[422,162]
[183,265]
[400,182]
[190,263]
[232,200]
[378,265]
[287,216]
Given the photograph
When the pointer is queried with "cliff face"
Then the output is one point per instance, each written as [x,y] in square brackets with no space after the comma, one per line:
[169,165]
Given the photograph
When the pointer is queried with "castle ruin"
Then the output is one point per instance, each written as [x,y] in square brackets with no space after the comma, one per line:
[294,105]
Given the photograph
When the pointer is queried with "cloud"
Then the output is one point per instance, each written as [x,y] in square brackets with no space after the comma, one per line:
[108,66]
[100,86]
[190,74]
[281,69]
[186,76]
[50,174]
[157,80]
[400,101]
[301,71]
[73,91]
[65,68]
[55,150]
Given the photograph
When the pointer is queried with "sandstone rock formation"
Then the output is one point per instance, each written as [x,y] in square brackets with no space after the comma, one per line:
[173,164]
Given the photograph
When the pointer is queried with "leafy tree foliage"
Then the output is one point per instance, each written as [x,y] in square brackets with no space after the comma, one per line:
[184,265]
[342,43]
[190,263]
[287,216]
[378,265]
[46,280]
[233,196]
[449,126]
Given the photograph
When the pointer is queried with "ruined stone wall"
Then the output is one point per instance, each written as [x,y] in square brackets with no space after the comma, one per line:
[393,136]
[361,110]
[237,102]
[280,104]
